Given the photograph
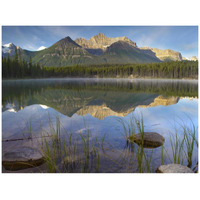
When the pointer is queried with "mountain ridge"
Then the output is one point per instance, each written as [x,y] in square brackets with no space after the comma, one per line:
[99,49]
[166,54]
[100,41]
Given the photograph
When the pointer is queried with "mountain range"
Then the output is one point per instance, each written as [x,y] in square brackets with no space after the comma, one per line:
[98,49]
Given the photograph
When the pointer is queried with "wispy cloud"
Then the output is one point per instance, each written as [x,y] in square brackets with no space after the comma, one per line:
[190,46]
[154,35]
[62,31]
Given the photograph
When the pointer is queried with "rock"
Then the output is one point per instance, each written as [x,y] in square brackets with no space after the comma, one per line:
[150,139]
[100,41]
[22,158]
[166,54]
[194,58]
[173,168]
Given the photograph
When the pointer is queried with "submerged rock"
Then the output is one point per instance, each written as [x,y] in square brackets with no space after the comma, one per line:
[173,168]
[147,139]
[22,158]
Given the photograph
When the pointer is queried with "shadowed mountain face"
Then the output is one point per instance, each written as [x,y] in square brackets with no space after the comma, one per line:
[121,52]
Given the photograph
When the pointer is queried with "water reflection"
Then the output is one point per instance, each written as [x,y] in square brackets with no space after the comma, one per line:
[117,97]
[97,106]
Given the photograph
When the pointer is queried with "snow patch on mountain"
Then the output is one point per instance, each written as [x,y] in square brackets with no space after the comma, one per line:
[8,45]
[6,48]
[41,48]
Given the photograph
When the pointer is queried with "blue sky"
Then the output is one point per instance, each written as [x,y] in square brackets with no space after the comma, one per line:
[179,38]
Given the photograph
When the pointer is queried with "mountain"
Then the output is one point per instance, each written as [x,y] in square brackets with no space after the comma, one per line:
[64,52]
[100,41]
[123,52]
[99,49]
[194,58]
[9,49]
[67,52]
[41,48]
[164,55]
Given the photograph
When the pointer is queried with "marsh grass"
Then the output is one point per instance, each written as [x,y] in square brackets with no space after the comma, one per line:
[190,141]
[68,152]
[148,160]
[162,155]
[136,125]
[128,127]
[183,142]
[177,147]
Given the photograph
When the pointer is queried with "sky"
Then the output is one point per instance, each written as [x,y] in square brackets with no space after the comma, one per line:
[183,39]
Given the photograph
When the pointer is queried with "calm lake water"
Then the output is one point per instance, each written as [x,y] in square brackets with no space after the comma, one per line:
[102,110]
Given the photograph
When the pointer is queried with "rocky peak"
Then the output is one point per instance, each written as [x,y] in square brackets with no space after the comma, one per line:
[100,41]
[9,45]
[9,49]
[66,43]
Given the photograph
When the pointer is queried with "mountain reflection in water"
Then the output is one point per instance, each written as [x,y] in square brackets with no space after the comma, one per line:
[99,97]
[98,104]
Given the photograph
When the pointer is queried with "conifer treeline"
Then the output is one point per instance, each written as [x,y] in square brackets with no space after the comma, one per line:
[18,68]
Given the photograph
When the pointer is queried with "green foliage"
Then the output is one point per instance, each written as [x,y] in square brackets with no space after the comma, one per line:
[17,68]
[176,69]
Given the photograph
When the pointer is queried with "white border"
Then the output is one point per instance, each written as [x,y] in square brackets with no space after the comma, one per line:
[99,186]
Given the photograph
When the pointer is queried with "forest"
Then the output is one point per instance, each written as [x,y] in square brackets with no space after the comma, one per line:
[17,68]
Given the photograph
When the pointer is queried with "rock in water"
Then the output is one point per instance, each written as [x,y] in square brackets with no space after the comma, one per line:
[173,168]
[22,158]
[148,139]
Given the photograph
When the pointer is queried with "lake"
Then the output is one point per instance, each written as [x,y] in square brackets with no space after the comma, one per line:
[83,125]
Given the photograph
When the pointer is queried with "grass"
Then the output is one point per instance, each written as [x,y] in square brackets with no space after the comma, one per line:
[190,140]
[68,152]
[136,125]
[65,152]
[181,146]
[177,145]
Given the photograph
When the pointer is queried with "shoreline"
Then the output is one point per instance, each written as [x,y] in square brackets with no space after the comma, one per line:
[103,78]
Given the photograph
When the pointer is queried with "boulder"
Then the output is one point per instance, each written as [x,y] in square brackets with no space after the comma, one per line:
[173,168]
[147,139]
[21,158]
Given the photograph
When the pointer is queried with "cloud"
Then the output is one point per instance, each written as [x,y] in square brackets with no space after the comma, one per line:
[190,46]
[153,35]
[62,31]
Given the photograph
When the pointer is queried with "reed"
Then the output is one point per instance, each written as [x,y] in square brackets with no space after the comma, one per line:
[177,145]
[63,151]
[190,141]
